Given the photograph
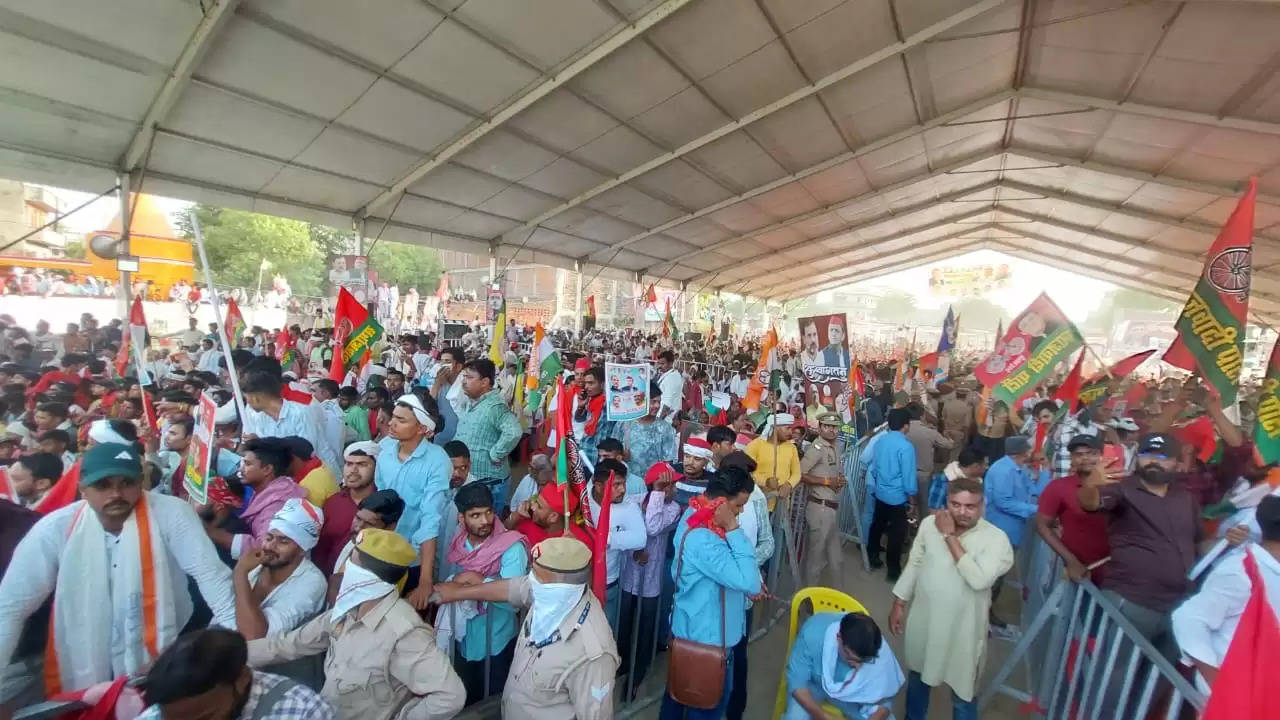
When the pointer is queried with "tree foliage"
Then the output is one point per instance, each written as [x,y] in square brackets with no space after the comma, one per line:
[237,242]
[979,313]
[895,306]
[1108,312]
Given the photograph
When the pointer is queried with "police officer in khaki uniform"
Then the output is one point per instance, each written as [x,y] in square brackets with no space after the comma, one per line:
[566,657]
[381,660]
[822,470]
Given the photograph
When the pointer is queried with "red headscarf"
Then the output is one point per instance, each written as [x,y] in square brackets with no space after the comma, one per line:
[704,514]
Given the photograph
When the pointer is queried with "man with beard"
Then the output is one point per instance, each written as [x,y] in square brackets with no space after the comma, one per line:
[277,587]
[565,655]
[484,550]
[694,473]
[359,460]
[122,556]
[205,675]
[381,660]
[1153,526]
[543,516]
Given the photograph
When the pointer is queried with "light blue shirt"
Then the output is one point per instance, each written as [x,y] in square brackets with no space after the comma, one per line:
[893,469]
[296,420]
[422,482]
[804,669]
[711,564]
[1011,494]
[515,563]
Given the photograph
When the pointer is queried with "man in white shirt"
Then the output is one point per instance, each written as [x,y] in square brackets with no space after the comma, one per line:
[111,620]
[671,383]
[739,384]
[277,586]
[210,357]
[1206,622]
[626,529]
[270,415]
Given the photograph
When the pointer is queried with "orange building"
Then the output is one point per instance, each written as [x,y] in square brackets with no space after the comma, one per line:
[163,256]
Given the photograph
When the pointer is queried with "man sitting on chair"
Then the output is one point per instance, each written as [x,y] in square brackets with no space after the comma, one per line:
[841,659]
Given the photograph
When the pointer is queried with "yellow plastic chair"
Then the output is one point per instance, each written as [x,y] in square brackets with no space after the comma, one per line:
[823,600]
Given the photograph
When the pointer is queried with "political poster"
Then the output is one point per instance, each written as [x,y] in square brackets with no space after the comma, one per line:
[626,390]
[824,362]
[1036,341]
[196,479]
[968,280]
[350,272]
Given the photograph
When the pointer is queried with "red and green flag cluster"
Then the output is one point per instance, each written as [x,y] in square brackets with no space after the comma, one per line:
[1267,434]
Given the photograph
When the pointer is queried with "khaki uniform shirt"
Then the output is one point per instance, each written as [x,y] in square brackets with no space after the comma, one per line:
[957,415]
[822,460]
[571,674]
[383,666]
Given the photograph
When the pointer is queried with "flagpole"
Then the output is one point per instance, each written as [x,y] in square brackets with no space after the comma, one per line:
[1101,362]
[217,317]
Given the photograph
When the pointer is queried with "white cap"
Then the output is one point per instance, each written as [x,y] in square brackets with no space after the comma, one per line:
[367,447]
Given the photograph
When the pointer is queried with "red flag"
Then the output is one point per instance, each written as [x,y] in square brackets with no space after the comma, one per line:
[1096,387]
[354,332]
[591,306]
[650,296]
[1069,391]
[64,492]
[1245,684]
[599,568]
[1211,327]
[6,489]
[149,410]
[233,325]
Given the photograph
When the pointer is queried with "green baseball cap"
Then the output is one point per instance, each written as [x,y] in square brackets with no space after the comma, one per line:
[110,460]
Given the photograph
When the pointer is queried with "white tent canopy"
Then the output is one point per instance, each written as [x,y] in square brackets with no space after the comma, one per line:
[767,147]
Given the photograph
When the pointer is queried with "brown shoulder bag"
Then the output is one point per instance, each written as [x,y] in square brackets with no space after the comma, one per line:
[695,672]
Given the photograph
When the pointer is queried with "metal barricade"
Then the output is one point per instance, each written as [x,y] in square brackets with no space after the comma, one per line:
[1093,663]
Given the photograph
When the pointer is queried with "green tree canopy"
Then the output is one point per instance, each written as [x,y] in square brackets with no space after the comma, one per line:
[895,306]
[408,266]
[979,313]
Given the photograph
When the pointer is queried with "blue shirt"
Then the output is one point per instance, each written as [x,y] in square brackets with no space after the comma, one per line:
[712,564]
[804,666]
[422,482]
[1011,494]
[893,469]
[515,563]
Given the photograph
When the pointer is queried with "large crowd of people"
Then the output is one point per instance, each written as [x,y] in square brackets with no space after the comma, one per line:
[364,548]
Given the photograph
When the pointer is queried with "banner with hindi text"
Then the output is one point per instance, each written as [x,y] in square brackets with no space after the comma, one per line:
[1037,340]
[825,360]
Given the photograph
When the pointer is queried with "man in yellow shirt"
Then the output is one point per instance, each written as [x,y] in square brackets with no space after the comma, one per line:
[777,459]
[308,471]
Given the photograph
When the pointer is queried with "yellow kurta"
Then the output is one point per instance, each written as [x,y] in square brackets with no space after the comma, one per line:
[781,461]
[946,636]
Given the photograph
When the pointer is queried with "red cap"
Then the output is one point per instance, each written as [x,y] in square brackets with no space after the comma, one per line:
[583,364]
[656,470]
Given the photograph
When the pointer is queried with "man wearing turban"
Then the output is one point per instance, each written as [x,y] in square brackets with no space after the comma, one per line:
[277,586]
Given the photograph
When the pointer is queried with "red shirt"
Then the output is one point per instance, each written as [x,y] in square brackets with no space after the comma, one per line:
[339,512]
[1084,533]
[535,533]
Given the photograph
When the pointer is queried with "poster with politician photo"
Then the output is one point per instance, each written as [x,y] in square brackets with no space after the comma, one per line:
[824,363]
[626,391]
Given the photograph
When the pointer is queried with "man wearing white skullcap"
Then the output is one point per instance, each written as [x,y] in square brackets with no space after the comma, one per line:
[277,586]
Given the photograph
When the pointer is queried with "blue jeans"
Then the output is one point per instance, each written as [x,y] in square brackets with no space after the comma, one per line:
[918,701]
[672,710]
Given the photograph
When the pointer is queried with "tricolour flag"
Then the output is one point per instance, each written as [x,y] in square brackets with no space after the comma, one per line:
[591,306]
[1036,341]
[354,331]
[234,324]
[760,379]
[1267,434]
[1211,327]
[669,323]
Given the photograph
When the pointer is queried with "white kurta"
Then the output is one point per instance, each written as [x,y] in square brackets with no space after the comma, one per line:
[946,635]
[1205,623]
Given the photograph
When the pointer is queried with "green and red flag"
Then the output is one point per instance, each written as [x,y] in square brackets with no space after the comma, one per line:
[234,324]
[650,296]
[1211,327]
[1267,435]
[591,306]
[857,385]
[669,323]
[1037,340]
[355,331]
[1095,388]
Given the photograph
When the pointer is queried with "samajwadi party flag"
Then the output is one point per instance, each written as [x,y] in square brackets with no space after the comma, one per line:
[1096,387]
[1211,327]
[760,378]
[1037,340]
[1267,435]
[234,324]
[355,332]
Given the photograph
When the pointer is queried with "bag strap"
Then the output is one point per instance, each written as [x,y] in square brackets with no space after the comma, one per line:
[271,697]
[680,564]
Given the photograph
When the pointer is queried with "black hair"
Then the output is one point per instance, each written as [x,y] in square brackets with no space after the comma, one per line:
[970,456]
[327,385]
[728,482]
[386,503]
[97,367]
[298,447]
[395,372]
[1049,405]
[655,390]
[721,433]
[262,363]
[898,418]
[609,445]
[195,664]
[178,396]
[381,392]
[916,410]
[260,381]
[271,452]
[1269,518]
[45,466]
[483,367]
[53,408]
[860,635]
[61,436]
[187,422]
[454,353]
[604,467]
[240,357]
[456,449]
[472,496]
[596,372]
[349,393]
[667,355]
